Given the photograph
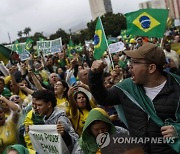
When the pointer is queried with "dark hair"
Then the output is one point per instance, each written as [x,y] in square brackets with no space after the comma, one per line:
[88,106]
[65,85]
[46,96]
[62,76]
[1,79]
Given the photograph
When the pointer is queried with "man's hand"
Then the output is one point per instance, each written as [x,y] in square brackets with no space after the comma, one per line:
[114,117]
[168,131]
[60,128]
[98,66]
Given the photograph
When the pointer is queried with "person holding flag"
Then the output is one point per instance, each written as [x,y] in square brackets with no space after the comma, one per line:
[100,42]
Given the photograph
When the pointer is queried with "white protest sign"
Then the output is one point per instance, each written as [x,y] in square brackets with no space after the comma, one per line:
[46,140]
[116,47]
[50,46]
[46,46]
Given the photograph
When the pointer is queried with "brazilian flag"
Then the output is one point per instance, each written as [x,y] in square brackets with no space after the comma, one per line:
[70,48]
[17,47]
[29,44]
[100,43]
[5,54]
[147,22]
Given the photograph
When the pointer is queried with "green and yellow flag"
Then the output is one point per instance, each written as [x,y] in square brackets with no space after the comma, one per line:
[5,54]
[71,44]
[17,47]
[100,43]
[147,22]
[29,44]
[70,48]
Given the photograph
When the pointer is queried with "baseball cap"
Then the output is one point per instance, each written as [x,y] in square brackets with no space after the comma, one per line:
[148,51]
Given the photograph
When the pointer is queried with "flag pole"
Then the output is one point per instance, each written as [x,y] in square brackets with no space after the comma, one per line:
[9,37]
[107,44]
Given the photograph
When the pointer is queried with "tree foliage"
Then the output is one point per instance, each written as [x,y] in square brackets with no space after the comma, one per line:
[27,31]
[20,33]
[60,33]
[112,23]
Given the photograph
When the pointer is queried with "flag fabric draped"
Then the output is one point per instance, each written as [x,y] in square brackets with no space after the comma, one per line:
[147,22]
[29,44]
[100,43]
[5,54]
[17,47]
[71,44]
[71,49]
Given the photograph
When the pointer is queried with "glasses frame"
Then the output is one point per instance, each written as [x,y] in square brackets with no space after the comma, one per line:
[133,62]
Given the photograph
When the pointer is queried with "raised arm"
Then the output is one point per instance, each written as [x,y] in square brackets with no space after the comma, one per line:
[103,96]
[72,103]
[26,89]
[3,69]
[16,87]
[36,81]
[14,107]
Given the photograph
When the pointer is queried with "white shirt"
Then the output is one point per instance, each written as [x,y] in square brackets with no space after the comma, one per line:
[152,92]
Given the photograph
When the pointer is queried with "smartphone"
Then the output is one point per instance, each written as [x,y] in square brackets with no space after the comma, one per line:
[72,81]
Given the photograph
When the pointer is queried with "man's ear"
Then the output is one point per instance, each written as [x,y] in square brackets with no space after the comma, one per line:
[49,104]
[152,68]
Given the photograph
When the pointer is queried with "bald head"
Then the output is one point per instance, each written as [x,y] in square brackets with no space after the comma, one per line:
[83,76]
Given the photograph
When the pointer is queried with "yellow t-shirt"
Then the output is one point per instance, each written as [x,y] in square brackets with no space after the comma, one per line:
[7,79]
[22,95]
[99,151]
[8,134]
[83,118]
[78,121]
[28,121]
[63,104]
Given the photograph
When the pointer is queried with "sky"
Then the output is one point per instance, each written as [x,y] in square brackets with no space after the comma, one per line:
[48,16]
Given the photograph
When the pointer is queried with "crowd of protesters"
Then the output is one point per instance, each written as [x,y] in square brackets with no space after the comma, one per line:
[54,89]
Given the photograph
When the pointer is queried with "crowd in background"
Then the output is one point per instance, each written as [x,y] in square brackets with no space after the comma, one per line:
[62,80]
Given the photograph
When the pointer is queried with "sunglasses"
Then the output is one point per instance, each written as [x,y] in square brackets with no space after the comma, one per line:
[14,98]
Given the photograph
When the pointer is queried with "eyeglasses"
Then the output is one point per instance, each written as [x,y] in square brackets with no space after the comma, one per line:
[133,62]
[14,98]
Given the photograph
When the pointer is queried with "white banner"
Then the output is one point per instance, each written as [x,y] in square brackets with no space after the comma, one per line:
[116,47]
[50,47]
[47,47]
[46,140]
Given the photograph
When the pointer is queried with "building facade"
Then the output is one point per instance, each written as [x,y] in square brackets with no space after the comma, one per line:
[172,5]
[100,7]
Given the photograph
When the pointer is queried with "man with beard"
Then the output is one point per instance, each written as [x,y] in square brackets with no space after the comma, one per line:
[148,102]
